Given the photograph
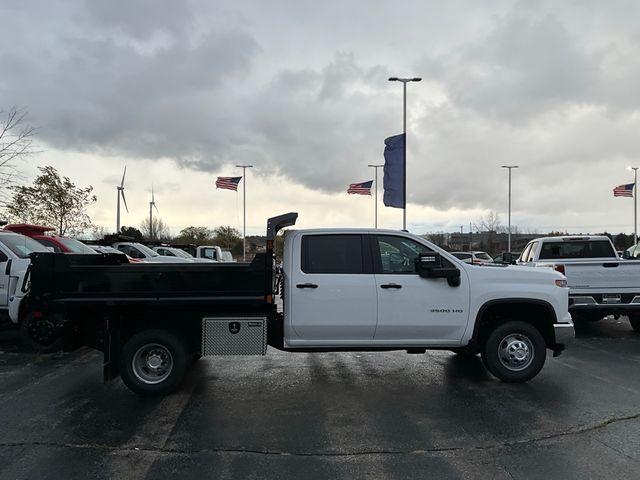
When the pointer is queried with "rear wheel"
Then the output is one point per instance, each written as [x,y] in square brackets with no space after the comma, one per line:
[634,320]
[514,351]
[154,362]
[42,333]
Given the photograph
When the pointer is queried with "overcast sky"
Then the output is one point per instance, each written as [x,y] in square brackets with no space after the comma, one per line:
[181,92]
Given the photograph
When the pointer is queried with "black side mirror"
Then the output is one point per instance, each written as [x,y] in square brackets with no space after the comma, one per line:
[3,257]
[509,258]
[626,255]
[429,265]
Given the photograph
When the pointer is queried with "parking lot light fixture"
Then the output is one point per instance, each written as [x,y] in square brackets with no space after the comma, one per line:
[404,131]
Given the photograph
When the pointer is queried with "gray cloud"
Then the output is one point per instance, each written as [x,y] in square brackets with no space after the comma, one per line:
[302,91]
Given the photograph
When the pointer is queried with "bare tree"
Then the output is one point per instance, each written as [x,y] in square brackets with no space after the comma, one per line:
[489,223]
[161,230]
[16,142]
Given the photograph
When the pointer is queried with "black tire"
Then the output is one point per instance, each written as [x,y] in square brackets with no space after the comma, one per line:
[42,333]
[154,362]
[634,320]
[514,352]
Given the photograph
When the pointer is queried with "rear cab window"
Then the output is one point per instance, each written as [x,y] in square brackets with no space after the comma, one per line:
[577,249]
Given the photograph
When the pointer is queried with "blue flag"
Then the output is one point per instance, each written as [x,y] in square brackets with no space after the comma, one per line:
[394,171]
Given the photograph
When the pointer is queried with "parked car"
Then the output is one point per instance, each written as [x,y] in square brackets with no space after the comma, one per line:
[15,251]
[142,252]
[475,258]
[600,284]
[631,253]
[177,252]
[57,243]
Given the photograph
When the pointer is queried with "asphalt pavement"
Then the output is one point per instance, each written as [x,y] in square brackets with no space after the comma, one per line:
[328,415]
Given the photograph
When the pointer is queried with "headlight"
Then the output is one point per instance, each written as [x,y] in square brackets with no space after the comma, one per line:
[562,283]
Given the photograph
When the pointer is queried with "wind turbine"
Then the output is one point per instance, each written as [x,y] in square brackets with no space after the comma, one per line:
[152,205]
[120,190]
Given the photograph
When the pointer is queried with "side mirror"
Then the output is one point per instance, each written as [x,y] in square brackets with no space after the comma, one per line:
[3,257]
[626,255]
[509,258]
[429,265]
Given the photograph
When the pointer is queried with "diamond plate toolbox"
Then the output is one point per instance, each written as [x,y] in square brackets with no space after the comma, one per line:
[234,336]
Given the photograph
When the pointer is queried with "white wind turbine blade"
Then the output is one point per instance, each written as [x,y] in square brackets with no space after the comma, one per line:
[124,200]
[123,174]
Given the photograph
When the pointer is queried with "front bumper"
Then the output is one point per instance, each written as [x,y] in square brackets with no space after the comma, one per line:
[564,333]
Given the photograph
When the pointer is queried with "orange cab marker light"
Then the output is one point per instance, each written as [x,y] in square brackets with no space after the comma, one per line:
[268,299]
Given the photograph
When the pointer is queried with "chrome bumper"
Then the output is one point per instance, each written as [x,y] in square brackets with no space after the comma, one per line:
[564,333]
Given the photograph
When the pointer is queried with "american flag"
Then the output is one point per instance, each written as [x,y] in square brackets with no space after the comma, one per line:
[623,190]
[229,183]
[362,188]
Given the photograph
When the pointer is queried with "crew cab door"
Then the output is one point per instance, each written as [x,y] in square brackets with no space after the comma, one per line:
[331,296]
[412,309]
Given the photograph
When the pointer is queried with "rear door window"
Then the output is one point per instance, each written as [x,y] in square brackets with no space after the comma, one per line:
[341,254]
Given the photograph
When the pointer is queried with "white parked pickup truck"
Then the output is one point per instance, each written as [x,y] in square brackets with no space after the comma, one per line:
[343,289]
[600,283]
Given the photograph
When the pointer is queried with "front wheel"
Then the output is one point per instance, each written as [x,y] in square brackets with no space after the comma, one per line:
[514,352]
[634,320]
[154,362]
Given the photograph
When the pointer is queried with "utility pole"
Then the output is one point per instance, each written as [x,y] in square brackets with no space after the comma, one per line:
[244,210]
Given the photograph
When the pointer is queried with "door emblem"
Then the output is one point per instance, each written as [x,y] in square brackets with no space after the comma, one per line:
[234,327]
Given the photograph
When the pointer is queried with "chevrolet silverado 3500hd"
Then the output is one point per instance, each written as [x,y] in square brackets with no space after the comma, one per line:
[342,289]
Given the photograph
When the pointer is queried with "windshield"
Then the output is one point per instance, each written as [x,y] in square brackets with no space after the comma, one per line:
[22,246]
[75,246]
[146,250]
[181,253]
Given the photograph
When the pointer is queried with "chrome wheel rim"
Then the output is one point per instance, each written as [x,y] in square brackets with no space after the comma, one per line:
[152,363]
[516,352]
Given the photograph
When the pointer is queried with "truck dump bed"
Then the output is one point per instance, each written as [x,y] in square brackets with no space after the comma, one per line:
[83,280]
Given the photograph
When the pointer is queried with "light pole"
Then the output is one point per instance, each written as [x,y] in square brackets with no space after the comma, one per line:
[244,210]
[509,234]
[404,131]
[635,203]
[376,167]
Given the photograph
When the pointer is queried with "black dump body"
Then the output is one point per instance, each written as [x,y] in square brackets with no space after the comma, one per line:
[108,280]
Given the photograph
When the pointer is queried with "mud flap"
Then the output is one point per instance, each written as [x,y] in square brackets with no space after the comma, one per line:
[111,364]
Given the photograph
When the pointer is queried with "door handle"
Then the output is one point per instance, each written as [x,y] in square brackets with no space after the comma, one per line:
[390,285]
[306,285]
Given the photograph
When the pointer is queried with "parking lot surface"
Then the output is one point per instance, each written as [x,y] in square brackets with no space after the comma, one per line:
[328,415]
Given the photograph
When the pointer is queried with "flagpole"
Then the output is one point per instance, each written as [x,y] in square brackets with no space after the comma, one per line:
[376,200]
[244,210]
[635,205]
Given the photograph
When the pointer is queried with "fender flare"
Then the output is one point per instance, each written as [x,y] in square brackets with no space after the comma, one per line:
[508,301]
